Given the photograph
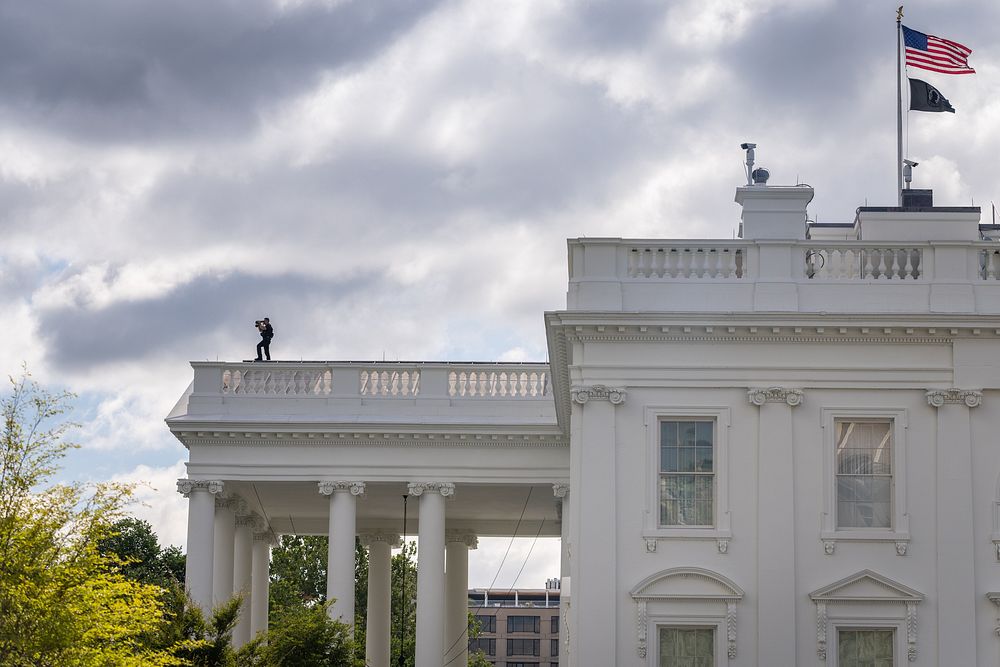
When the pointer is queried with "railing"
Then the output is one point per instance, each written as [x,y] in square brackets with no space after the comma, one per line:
[376,380]
[687,261]
[276,382]
[863,262]
[508,383]
[400,383]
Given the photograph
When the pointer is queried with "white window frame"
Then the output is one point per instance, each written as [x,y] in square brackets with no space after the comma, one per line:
[722,530]
[899,532]
[704,622]
[898,636]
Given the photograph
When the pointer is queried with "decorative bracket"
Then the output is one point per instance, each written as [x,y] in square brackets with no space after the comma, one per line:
[821,630]
[559,490]
[582,395]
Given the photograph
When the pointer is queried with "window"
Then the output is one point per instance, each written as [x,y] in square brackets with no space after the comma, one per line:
[522,664]
[522,646]
[686,647]
[687,488]
[864,648]
[487,645]
[553,648]
[524,624]
[555,626]
[864,499]
[687,473]
[864,473]
[487,623]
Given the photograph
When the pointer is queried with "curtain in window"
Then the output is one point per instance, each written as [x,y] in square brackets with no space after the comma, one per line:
[865,648]
[864,474]
[687,647]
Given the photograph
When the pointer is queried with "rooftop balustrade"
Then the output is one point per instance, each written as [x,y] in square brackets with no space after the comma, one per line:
[784,275]
[359,388]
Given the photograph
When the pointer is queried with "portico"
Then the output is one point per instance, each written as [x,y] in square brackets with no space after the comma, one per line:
[287,449]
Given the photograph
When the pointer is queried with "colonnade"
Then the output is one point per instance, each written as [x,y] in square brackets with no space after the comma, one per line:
[229,552]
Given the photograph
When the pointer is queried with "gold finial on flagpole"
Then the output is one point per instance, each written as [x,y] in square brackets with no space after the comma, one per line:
[899,14]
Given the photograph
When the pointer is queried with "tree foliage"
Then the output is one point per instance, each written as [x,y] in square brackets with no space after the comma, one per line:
[61,601]
[302,637]
[133,542]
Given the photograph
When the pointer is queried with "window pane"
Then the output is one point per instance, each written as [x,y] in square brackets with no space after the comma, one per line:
[864,474]
[668,459]
[687,464]
[865,648]
[668,434]
[686,647]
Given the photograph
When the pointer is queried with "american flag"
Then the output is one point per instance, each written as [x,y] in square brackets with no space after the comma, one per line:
[936,53]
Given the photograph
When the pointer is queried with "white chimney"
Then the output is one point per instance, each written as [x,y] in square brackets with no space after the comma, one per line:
[774,212]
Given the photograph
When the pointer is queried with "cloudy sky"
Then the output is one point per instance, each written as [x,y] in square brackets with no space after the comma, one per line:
[396,179]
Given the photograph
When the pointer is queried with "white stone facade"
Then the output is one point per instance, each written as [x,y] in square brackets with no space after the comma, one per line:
[842,486]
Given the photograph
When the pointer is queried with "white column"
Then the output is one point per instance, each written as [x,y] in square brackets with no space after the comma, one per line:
[377,634]
[956,538]
[430,571]
[561,492]
[200,538]
[222,551]
[340,557]
[260,571]
[242,569]
[776,632]
[593,465]
[456,626]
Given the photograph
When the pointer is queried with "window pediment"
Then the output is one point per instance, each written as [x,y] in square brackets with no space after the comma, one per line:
[866,586]
[686,583]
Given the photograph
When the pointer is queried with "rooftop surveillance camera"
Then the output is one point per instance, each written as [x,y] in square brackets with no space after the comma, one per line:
[908,166]
[748,147]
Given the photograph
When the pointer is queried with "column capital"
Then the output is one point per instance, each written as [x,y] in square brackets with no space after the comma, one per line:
[392,539]
[266,536]
[251,521]
[560,490]
[467,537]
[235,503]
[760,395]
[329,488]
[446,489]
[186,487]
[937,398]
[583,394]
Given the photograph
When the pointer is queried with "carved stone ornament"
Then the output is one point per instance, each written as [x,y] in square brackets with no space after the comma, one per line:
[829,546]
[186,486]
[560,490]
[731,629]
[939,397]
[995,599]
[901,547]
[446,489]
[723,545]
[329,488]
[760,395]
[466,537]
[821,630]
[266,536]
[640,626]
[911,631]
[392,539]
[651,545]
[598,392]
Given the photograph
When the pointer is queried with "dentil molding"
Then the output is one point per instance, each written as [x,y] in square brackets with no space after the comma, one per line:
[329,488]
[598,392]
[760,395]
[969,397]
[186,487]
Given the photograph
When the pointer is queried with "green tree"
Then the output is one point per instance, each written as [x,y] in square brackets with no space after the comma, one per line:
[133,542]
[201,642]
[61,601]
[303,636]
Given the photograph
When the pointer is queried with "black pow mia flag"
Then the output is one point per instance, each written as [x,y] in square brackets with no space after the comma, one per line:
[925,97]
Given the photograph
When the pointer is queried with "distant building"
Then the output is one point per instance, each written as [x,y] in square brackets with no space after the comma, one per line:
[774,450]
[517,627]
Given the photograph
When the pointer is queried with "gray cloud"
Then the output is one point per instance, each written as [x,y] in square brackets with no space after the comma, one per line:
[114,70]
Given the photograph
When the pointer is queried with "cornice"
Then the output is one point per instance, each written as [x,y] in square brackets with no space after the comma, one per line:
[284,439]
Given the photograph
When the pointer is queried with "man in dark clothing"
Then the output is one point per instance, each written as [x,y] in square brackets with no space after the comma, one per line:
[266,334]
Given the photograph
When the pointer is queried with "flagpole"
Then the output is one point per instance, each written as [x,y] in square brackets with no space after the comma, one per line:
[899,108]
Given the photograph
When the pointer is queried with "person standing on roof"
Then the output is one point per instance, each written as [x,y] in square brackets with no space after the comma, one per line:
[266,334]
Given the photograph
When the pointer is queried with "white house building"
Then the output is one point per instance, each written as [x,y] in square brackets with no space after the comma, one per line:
[772,451]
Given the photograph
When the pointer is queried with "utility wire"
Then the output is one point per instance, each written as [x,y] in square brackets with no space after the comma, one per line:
[495,577]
